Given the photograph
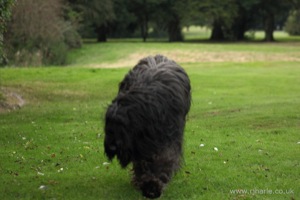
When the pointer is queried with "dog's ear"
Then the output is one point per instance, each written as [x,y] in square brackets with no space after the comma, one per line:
[110,147]
[117,135]
[124,154]
[118,143]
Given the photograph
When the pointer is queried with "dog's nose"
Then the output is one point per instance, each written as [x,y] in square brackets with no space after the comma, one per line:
[152,195]
[151,190]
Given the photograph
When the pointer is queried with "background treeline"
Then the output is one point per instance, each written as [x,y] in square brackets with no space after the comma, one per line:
[40,32]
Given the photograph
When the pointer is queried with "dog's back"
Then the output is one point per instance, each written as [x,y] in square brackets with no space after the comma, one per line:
[159,73]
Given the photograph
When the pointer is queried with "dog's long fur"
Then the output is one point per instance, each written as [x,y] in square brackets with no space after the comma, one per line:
[145,122]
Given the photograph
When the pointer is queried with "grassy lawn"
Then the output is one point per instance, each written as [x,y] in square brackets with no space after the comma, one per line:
[241,139]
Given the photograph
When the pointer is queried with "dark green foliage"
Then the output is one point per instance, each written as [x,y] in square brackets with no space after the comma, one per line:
[125,22]
[97,17]
[173,18]
[228,19]
[143,11]
[219,15]
[243,20]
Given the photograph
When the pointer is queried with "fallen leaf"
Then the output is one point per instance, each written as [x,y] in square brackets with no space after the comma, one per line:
[52,182]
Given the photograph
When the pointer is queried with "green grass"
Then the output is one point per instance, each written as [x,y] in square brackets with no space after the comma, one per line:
[250,111]
[120,52]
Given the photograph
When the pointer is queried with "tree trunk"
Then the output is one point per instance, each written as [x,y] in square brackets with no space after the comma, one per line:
[269,27]
[217,32]
[144,30]
[101,33]
[240,26]
[174,30]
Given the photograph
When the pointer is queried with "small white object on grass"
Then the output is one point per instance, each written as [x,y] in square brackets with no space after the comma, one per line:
[201,145]
[216,149]
[106,163]
[43,187]
[40,174]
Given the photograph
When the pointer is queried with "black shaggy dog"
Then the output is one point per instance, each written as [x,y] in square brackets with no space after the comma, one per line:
[145,122]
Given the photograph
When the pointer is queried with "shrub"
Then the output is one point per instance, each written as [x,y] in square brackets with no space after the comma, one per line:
[24,57]
[72,38]
[292,25]
[38,34]
[5,14]
[56,54]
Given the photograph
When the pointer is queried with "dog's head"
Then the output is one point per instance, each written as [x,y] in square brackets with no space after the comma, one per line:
[151,189]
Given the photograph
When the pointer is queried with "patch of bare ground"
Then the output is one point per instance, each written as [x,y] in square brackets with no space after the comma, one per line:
[10,100]
[183,56]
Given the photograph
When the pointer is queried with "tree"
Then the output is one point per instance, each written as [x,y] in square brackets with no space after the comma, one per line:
[219,15]
[270,10]
[143,11]
[230,19]
[244,19]
[98,15]
[161,14]
[125,22]
[168,16]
